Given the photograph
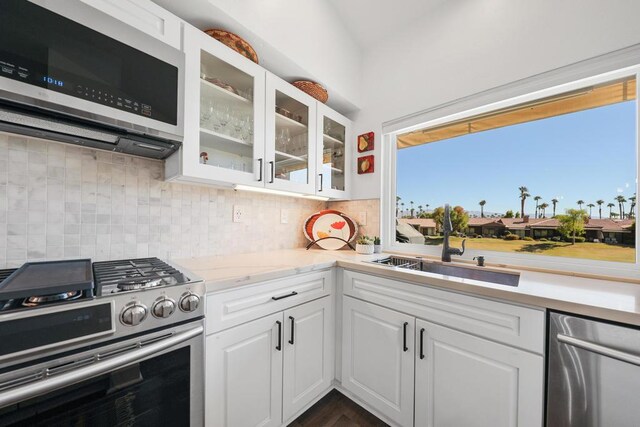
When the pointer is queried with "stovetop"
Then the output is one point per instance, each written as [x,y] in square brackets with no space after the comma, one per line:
[133,275]
[110,277]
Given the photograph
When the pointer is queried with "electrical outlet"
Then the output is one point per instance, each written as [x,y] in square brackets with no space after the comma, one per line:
[362,218]
[238,213]
[284,216]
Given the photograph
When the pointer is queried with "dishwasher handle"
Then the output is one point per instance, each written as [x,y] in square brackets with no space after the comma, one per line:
[599,349]
[48,384]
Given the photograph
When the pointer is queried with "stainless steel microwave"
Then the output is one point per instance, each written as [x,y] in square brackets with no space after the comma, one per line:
[71,72]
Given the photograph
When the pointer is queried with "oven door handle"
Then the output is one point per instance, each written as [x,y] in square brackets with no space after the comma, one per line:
[48,384]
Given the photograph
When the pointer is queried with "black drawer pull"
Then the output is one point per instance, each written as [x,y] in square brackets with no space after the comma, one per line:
[284,296]
[422,343]
[293,324]
[279,345]
[404,336]
[260,169]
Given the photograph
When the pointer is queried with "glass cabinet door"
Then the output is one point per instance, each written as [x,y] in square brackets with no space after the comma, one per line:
[333,131]
[224,113]
[290,131]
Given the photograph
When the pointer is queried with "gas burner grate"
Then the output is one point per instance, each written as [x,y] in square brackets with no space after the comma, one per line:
[134,274]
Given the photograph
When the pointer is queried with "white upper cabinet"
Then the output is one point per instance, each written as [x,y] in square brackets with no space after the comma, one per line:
[291,137]
[224,115]
[244,125]
[333,153]
[143,15]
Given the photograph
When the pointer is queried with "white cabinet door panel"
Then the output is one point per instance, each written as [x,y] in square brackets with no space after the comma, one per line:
[462,380]
[376,365]
[244,375]
[308,354]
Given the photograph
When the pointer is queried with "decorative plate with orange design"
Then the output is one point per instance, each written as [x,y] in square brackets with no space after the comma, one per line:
[330,223]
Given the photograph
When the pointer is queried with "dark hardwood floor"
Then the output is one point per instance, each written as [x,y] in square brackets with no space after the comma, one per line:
[336,410]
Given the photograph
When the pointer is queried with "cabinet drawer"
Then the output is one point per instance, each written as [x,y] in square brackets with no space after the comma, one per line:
[231,308]
[510,324]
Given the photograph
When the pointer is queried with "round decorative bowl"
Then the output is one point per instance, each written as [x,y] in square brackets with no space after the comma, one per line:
[235,42]
[313,89]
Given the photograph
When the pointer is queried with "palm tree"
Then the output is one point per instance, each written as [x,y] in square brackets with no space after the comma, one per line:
[398,198]
[426,207]
[419,210]
[411,203]
[600,202]
[621,201]
[610,206]
[524,193]
[555,202]
[590,206]
[402,209]
[580,203]
[543,208]
[537,199]
[482,203]
[632,213]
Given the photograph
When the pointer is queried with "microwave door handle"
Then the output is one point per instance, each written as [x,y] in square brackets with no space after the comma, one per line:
[48,384]
[599,349]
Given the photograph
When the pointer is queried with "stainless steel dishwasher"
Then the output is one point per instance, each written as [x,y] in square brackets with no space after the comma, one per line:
[594,373]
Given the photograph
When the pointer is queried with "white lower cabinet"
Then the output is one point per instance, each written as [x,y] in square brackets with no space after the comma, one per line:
[462,380]
[394,362]
[243,384]
[308,354]
[263,372]
[378,358]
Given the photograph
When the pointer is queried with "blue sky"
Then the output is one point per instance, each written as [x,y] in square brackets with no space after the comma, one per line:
[587,155]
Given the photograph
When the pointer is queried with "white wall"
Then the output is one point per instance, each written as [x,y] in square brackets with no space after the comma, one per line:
[294,39]
[468,46]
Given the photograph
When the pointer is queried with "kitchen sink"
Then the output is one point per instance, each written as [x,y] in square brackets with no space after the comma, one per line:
[475,273]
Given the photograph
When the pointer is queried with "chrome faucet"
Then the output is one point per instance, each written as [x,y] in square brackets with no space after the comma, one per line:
[447,228]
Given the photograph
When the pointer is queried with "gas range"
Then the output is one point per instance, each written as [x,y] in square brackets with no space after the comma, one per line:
[67,304]
[117,342]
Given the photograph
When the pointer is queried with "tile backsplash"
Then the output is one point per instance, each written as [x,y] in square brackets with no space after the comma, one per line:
[64,201]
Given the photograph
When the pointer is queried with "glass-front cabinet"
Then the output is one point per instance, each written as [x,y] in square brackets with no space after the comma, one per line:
[244,125]
[290,132]
[224,115]
[333,155]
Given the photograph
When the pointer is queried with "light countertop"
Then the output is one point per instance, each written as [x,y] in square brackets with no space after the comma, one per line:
[612,300]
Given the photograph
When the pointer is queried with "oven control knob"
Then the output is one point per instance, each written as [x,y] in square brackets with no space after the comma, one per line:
[189,302]
[163,308]
[134,314]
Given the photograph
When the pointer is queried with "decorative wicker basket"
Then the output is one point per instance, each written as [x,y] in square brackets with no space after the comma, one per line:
[235,42]
[313,89]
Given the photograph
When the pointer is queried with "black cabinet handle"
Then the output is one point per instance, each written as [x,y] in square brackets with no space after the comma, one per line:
[260,168]
[293,324]
[273,172]
[321,181]
[279,345]
[284,296]
[404,336]
[422,343]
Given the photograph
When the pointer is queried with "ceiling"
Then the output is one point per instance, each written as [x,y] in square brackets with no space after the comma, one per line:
[369,21]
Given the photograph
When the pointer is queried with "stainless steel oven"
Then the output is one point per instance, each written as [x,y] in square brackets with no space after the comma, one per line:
[148,380]
[132,355]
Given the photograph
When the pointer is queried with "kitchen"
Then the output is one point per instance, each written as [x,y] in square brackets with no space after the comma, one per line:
[159,191]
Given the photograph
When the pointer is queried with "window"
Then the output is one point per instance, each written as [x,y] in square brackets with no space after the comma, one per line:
[553,178]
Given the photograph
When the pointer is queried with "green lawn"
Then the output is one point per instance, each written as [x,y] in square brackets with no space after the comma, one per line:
[596,251]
